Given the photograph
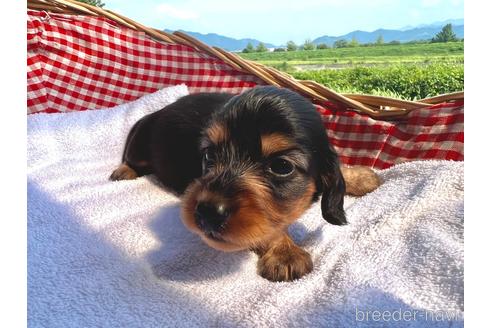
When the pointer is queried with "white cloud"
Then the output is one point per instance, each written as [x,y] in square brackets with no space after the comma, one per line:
[414,14]
[271,7]
[175,12]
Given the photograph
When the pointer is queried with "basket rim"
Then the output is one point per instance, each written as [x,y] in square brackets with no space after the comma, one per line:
[378,107]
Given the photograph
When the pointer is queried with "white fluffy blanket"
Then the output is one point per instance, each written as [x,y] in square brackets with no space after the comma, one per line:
[115,254]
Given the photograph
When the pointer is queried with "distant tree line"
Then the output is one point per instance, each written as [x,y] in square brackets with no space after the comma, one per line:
[259,48]
[445,35]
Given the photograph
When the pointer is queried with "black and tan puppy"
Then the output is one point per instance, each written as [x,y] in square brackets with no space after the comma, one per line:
[246,167]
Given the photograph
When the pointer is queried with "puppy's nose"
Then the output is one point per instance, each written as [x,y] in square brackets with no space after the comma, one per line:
[211,217]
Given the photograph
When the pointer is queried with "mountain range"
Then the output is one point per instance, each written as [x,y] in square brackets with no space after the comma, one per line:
[224,42]
[416,33]
[405,34]
[455,22]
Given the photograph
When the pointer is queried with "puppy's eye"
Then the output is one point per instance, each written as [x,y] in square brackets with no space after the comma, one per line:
[281,167]
[208,160]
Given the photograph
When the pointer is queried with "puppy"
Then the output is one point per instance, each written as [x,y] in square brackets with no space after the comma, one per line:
[245,167]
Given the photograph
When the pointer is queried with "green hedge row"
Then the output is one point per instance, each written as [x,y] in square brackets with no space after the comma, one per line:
[405,81]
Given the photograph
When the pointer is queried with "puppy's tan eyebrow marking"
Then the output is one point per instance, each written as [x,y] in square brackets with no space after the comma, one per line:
[274,143]
[217,133]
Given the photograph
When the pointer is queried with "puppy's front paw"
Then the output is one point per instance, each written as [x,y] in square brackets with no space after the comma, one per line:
[285,263]
[360,180]
[123,172]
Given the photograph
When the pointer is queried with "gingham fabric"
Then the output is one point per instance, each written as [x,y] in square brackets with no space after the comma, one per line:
[431,133]
[80,62]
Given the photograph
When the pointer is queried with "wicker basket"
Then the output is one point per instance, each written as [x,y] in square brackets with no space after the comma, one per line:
[374,106]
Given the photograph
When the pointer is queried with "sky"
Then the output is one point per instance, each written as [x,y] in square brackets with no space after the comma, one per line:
[278,21]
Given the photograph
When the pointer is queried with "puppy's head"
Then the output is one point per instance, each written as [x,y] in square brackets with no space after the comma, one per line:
[265,159]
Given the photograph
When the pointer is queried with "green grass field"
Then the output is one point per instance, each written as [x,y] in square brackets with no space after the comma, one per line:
[408,71]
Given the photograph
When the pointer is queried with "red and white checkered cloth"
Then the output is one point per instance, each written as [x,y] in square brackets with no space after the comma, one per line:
[435,132]
[80,62]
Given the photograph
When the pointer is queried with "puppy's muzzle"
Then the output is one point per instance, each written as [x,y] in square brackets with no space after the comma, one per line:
[211,217]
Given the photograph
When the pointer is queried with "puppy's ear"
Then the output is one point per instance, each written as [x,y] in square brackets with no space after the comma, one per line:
[332,188]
